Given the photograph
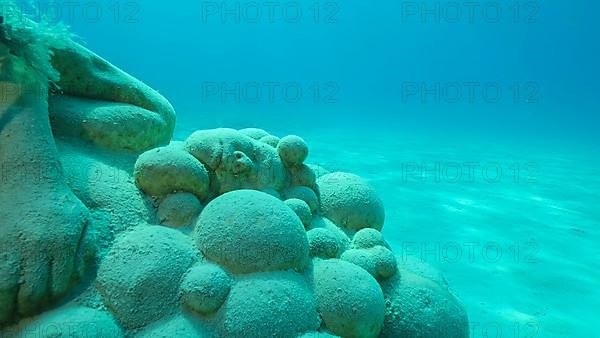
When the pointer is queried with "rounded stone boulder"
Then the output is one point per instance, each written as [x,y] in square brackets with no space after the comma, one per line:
[303,175]
[379,261]
[350,202]
[361,258]
[341,238]
[418,307]
[323,243]
[165,170]
[387,266]
[178,209]
[301,209]
[205,288]
[303,193]
[293,150]
[271,140]
[271,304]
[250,231]
[139,278]
[368,238]
[255,133]
[349,299]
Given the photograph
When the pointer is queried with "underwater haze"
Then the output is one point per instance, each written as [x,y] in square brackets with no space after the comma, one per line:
[477,122]
[357,62]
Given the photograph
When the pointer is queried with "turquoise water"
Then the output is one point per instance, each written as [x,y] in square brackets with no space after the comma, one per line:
[380,97]
[543,282]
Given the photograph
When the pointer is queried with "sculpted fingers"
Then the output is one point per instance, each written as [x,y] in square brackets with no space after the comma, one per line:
[65,250]
[9,282]
[34,279]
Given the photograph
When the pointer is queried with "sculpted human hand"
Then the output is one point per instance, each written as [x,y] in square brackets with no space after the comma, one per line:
[43,248]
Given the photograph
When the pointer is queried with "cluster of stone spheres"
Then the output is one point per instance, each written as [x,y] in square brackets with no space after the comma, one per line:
[275,248]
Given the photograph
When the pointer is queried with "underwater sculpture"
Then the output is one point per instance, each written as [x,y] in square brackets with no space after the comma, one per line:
[227,234]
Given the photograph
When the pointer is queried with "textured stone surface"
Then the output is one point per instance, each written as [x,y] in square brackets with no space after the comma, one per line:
[250,231]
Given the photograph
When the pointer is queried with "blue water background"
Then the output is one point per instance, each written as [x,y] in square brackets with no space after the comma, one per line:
[372,49]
